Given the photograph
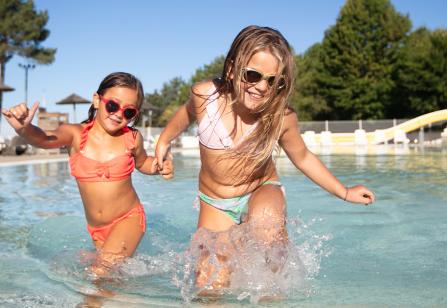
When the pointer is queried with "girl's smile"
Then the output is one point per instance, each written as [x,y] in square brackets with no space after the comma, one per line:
[123,98]
[255,94]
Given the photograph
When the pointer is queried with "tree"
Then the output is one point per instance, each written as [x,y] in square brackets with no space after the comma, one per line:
[171,93]
[438,59]
[209,71]
[358,57]
[306,98]
[421,75]
[22,29]
[176,92]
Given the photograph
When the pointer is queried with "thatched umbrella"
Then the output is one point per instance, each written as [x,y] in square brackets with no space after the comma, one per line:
[5,88]
[147,106]
[73,99]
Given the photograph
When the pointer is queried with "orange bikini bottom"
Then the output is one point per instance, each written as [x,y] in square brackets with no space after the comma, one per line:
[101,233]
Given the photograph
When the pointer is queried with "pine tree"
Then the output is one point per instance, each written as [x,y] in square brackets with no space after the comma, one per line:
[22,30]
[421,75]
[306,98]
[176,92]
[358,57]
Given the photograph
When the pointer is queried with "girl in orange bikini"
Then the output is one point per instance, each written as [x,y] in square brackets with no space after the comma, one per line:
[103,151]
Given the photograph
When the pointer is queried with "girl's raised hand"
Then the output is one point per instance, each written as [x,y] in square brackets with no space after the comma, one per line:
[20,116]
[359,194]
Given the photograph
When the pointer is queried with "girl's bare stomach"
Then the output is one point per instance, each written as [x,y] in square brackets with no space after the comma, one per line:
[219,182]
[106,201]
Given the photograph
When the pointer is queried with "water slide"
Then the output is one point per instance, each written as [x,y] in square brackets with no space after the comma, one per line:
[380,135]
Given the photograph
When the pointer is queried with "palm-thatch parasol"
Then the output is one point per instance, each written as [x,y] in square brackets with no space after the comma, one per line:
[5,88]
[147,106]
[73,99]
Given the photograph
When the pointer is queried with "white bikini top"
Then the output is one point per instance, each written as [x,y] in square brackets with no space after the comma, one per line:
[211,131]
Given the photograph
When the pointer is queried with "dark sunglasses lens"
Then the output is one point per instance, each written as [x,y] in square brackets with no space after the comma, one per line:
[281,83]
[129,113]
[271,80]
[252,76]
[111,106]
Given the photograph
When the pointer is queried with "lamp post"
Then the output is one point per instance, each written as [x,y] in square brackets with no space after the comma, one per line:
[26,67]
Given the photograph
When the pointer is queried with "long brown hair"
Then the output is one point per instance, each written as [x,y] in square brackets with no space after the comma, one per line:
[255,152]
[118,79]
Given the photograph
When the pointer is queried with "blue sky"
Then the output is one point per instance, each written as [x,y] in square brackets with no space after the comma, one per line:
[159,40]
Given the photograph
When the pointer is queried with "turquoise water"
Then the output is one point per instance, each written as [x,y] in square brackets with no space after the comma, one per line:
[391,254]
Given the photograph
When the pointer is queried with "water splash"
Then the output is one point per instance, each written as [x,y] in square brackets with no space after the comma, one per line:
[239,265]
[235,265]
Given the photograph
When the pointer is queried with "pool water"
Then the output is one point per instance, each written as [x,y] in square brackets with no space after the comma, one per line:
[393,253]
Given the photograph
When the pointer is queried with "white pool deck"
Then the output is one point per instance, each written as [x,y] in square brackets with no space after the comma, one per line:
[6,161]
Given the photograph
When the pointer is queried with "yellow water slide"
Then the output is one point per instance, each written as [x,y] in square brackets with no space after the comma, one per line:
[390,133]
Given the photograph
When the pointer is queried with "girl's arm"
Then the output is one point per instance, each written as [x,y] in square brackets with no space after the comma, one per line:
[20,117]
[180,122]
[182,119]
[148,164]
[313,168]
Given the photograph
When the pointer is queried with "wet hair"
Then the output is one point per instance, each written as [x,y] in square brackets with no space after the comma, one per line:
[257,149]
[118,79]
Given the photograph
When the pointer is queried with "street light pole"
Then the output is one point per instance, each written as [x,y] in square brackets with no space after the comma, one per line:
[26,67]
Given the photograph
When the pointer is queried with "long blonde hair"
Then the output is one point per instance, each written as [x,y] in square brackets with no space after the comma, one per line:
[257,149]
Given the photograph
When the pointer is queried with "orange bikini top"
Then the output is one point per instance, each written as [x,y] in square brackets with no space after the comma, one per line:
[85,169]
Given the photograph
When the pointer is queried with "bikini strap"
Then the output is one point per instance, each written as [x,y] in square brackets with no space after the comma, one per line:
[129,138]
[212,108]
[84,135]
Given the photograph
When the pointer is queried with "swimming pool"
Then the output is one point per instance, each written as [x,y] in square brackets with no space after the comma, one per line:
[391,254]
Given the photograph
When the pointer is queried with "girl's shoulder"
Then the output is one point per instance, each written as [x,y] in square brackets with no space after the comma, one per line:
[290,118]
[204,89]
[72,132]
[203,93]
[134,138]
[78,129]
[290,113]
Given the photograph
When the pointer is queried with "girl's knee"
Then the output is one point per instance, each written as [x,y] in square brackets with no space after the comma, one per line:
[102,266]
[267,203]
[269,232]
[267,215]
